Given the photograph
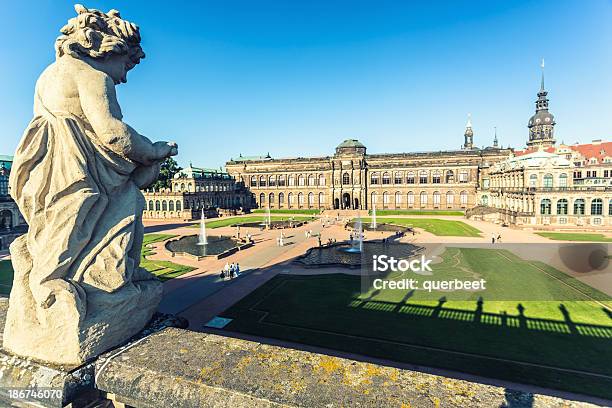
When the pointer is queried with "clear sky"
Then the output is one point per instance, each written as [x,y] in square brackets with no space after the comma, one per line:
[295,78]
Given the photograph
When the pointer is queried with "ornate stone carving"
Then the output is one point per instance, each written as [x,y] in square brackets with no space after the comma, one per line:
[78,288]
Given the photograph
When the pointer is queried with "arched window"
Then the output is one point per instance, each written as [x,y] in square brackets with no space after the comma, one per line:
[563,180]
[548,181]
[272,181]
[410,199]
[436,177]
[321,180]
[262,199]
[562,207]
[171,205]
[151,205]
[579,206]
[182,187]
[301,200]
[374,198]
[374,178]
[423,198]
[178,205]
[610,208]
[386,179]
[281,180]
[301,180]
[436,198]
[450,198]
[398,199]
[423,177]
[292,180]
[398,178]
[533,181]
[190,188]
[271,200]
[410,177]
[463,176]
[463,198]
[545,206]
[385,199]
[290,199]
[485,200]
[310,200]
[346,179]
[321,199]
[311,180]
[597,206]
[262,181]
[157,205]
[281,200]
[450,176]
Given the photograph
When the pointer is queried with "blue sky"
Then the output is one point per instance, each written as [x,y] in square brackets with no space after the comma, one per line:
[295,78]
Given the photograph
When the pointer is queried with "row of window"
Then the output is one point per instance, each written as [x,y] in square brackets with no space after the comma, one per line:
[410,177]
[205,188]
[579,207]
[386,198]
[399,177]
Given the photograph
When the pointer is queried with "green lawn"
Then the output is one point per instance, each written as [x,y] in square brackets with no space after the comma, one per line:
[6,277]
[164,270]
[433,225]
[287,211]
[232,221]
[417,212]
[575,236]
[489,340]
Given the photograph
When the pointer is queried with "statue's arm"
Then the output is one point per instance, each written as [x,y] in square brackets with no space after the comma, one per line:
[99,103]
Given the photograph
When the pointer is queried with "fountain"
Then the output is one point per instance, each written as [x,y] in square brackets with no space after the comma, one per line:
[373,224]
[202,240]
[357,242]
[268,217]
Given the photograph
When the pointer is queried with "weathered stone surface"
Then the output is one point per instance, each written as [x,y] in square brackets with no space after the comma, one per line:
[78,288]
[73,384]
[179,368]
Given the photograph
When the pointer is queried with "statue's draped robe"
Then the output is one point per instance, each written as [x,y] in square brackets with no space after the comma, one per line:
[84,240]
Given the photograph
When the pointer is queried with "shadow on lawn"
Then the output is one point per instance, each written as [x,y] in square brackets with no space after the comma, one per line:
[324,311]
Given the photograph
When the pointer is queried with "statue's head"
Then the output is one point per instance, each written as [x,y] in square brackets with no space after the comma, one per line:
[106,38]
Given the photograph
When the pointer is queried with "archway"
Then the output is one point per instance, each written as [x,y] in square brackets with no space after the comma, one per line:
[336,203]
[6,219]
[346,201]
[356,204]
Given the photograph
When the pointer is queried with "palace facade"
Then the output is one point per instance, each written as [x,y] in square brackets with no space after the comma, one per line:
[194,189]
[564,186]
[353,179]
[12,223]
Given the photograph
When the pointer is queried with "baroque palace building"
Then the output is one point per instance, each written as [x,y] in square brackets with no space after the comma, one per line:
[194,189]
[545,184]
[12,223]
[353,179]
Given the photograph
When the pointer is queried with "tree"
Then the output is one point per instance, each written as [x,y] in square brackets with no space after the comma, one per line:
[168,169]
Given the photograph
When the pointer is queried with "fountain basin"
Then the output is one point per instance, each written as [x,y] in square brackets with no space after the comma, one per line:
[217,246]
[344,254]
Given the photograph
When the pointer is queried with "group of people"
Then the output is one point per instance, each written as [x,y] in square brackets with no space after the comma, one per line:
[280,241]
[495,238]
[230,271]
[308,233]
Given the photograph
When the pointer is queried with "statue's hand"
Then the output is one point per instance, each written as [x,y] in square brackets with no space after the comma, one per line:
[165,149]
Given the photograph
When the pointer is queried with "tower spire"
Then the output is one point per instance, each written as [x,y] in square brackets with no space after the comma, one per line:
[542,85]
[495,141]
[468,136]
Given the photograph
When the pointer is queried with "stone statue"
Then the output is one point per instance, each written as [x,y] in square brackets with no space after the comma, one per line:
[78,288]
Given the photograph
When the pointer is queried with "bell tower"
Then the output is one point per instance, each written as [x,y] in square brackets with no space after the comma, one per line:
[542,124]
[468,135]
